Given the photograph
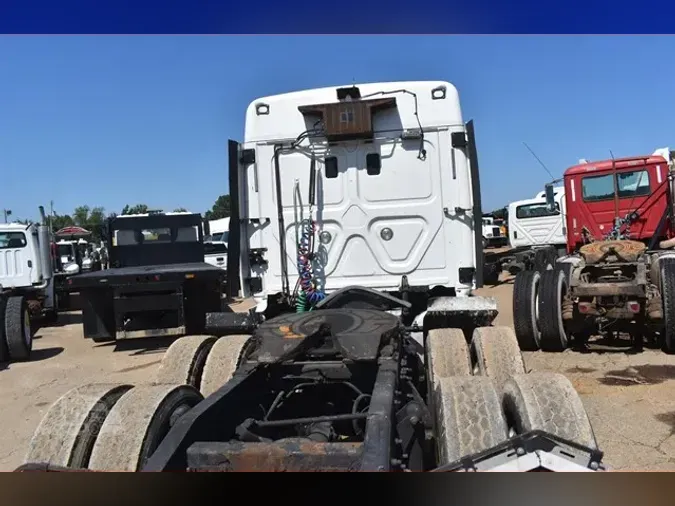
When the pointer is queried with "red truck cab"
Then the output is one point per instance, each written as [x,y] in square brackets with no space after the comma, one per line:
[591,191]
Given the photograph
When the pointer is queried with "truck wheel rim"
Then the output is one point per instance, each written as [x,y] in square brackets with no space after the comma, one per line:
[26,327]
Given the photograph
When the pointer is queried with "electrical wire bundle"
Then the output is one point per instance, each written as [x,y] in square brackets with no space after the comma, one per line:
[309,295]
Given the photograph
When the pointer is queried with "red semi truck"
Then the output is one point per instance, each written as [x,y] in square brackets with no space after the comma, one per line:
[618,277]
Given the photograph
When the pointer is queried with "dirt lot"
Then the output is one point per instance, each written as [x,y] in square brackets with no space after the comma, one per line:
[628,396]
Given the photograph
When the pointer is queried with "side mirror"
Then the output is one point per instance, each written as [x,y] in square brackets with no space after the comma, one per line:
[550,197]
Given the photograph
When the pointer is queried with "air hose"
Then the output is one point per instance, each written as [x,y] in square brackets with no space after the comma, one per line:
[309,295]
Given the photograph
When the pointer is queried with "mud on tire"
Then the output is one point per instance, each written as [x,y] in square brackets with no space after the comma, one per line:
[468,417]
[222,362]
[183,363]
[496,354]
[548,402]
[447,354]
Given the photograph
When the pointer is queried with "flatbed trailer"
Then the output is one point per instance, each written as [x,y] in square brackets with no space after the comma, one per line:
[160,300]
[143,296]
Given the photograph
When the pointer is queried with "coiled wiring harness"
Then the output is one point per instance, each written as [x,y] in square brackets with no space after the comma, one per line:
[308,295]
[307,292]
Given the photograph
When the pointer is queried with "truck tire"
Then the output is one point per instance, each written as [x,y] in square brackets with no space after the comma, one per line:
[183,363]
[137,424]
[68,431]
[18,332]
[496,354]
[552,289]
[4,352]
[525,310]
[468,417]
[548,402]
[565,267]
[222,362]
[447,354]
[667,268]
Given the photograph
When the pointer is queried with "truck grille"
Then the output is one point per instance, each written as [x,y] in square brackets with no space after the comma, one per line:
[496,232]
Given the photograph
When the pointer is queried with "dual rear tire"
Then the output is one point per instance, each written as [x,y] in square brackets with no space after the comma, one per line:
[537,309]
[480,394]
[117,427]
[538,299]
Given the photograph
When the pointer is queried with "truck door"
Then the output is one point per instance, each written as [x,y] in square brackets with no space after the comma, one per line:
[15,259]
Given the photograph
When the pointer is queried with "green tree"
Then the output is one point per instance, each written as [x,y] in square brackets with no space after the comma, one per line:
[180,210]
[221,208]
[501,214]
[136,209]
[61,221]
[92,219]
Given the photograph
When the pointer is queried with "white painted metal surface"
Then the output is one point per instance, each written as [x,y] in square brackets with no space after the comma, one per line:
[215,253]
[425,204]
[19,256]
[530,223]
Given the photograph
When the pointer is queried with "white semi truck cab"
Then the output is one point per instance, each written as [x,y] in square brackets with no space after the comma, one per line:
[374,185]
[532,223]
[26,285]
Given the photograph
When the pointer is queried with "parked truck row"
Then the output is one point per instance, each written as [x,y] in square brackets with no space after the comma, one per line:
[356,229]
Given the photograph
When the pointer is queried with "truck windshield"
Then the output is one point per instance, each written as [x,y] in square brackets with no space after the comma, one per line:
[64,250]
[633,184]
[630,184]
[12,240]
[130,237]
[157,235]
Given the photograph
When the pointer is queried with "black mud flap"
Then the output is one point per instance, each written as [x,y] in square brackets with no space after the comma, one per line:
[472,152]
[234,232]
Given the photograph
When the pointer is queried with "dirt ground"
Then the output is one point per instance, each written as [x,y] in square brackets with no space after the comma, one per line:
[630,398]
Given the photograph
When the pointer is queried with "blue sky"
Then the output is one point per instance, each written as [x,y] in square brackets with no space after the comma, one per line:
[142,119]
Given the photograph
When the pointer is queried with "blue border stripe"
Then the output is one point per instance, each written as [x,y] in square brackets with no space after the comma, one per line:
[346,17]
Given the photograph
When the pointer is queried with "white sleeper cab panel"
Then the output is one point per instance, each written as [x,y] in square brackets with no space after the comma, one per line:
[384,208]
